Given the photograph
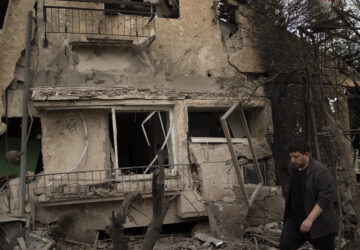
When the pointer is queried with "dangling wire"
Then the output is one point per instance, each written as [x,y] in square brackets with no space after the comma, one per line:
[31,123]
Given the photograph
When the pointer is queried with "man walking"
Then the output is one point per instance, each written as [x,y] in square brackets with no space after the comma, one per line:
[309,210]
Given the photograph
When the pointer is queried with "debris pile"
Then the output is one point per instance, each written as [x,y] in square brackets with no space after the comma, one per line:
[264,235]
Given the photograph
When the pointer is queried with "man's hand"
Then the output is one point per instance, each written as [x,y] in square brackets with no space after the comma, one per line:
[306,225]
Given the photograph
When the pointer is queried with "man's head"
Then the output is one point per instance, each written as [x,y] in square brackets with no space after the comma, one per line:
[299,154]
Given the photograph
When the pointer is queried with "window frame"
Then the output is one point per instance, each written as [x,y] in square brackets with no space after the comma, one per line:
[170,128]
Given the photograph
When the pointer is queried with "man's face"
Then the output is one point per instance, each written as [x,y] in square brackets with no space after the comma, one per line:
[299,160]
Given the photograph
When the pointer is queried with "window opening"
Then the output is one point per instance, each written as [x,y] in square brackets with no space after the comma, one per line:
[251,175]
[3,9]
[226,14]
[134,148]
[34,155]
[205,122]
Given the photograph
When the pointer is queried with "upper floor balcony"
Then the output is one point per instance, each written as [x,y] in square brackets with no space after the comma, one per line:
[99,26]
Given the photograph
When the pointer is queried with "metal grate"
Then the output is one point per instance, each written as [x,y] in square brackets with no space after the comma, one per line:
[100,22]
[104,183]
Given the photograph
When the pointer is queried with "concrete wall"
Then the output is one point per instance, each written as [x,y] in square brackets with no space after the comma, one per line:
[187,54]
[216,170]
[12,42]
[63,140]
[186,66]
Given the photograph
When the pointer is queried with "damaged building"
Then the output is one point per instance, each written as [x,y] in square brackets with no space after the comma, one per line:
[111,84]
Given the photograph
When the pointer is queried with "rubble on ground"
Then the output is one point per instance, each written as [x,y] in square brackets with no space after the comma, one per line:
[262,237]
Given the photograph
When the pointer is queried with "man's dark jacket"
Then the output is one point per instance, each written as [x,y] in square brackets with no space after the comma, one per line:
[318,190]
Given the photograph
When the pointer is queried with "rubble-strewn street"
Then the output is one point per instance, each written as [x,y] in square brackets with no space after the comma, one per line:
[261,237]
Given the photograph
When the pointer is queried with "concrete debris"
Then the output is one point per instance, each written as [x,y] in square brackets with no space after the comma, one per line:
[11,229]
[223,223]
[22,243]
[268,234]
[36,241]
[343,243]
[208,239]
[268,206]
[265,237]
[268,237]
[201,228]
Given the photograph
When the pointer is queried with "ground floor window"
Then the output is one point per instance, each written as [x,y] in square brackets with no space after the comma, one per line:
[205,122]
[136,136]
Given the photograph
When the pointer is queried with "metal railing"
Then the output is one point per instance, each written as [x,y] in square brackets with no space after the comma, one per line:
[104,183]
[101,22]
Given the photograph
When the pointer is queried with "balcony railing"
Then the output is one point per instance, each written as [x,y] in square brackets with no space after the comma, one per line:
[103,183]
[98,22]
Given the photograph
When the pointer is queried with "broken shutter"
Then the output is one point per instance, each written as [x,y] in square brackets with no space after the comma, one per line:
[238,169]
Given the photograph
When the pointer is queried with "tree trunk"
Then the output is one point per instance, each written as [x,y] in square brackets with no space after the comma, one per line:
[118,221]
[160,205]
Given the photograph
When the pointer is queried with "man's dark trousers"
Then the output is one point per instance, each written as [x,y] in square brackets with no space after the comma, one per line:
[291,238]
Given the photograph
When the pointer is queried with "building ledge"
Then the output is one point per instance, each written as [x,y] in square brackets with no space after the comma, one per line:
[96,200]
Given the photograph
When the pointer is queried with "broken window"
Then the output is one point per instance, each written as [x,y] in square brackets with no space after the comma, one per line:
[205,122]
[162,8]
[251,175]
[138,136]
[226,14]
[3,8]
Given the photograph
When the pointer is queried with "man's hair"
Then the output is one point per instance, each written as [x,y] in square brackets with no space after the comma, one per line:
[298,146]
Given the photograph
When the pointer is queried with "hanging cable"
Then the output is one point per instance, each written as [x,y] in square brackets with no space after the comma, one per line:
[30,127]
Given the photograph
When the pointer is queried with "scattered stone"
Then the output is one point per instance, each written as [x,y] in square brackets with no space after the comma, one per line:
[36,241]
[208,239]
[202,227]
[223,222]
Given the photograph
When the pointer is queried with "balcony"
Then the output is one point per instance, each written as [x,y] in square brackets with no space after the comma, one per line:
[102,185]
[100,26]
